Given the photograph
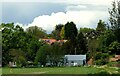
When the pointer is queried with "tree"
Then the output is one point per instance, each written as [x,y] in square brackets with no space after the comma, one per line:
[7,31]
[70,31]
[114,47]
[62,33]
[36,31]
[57,31]
[81,44]
[115,18]
[85,30]
[17,56]
[107,38]
[55,54]
[101,27]
[41,55]
[14,37]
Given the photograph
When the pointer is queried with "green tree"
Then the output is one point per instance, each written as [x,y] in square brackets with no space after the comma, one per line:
[115,18]
[81,44]
[14,37]
[56,53]
[36,31]
[57,31]
[101,27]
[62,33]
[7,31]
[41,55]
[114,47]
[17,56]
[70,31]
[85,30]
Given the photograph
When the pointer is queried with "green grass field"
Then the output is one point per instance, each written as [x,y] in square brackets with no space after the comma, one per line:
[56,70]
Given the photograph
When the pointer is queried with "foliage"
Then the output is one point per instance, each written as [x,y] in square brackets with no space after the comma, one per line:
[114,47]
[81,44]
[36,31]
[14,37]
[115,15]
[101,58]
[55,54]
[70,31]
[115,18]
[49,54]
[101,27]
[41,55]
[85,30]
[62,33]
[104,40]
[21,61]
[57,32]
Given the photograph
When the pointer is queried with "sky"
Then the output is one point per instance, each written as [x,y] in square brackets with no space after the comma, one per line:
[48,13]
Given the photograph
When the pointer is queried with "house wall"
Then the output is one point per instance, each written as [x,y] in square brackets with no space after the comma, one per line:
[74,62]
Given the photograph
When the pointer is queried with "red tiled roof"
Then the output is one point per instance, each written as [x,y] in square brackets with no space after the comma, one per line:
[50,41]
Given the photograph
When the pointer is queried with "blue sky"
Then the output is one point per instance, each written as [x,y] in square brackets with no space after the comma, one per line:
[25,12]
[48,13]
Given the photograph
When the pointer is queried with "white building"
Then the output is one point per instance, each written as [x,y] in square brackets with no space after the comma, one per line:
[75,60]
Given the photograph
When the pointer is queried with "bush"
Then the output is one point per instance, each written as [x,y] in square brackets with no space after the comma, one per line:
[101,58]
[21,61]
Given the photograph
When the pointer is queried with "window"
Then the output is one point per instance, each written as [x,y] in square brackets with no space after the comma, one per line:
[72,61]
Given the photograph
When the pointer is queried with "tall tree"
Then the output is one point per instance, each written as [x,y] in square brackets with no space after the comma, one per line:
[101,27]
[57,31]
[62,33]
[81,44]
[115,18]
[70,31]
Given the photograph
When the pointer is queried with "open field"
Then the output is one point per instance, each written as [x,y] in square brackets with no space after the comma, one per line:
[57,70]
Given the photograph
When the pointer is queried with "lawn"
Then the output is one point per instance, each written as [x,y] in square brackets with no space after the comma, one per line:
[53,70]
[60,70]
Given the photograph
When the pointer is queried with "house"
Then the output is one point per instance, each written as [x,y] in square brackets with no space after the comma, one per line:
[51,41]
[74,60]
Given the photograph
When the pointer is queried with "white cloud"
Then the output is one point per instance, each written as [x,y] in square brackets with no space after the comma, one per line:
[80,18]
[21,25]
[77,11]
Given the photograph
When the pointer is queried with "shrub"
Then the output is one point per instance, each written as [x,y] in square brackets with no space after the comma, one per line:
[21,61]
[101,58]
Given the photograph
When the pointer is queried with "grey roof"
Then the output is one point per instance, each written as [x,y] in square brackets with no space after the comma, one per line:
[76,57]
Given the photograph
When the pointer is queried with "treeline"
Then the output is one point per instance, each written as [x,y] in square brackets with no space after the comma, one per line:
[23,46]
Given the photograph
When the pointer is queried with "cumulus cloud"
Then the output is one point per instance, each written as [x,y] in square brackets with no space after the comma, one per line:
[80,18]
[84,13]
[21,25]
